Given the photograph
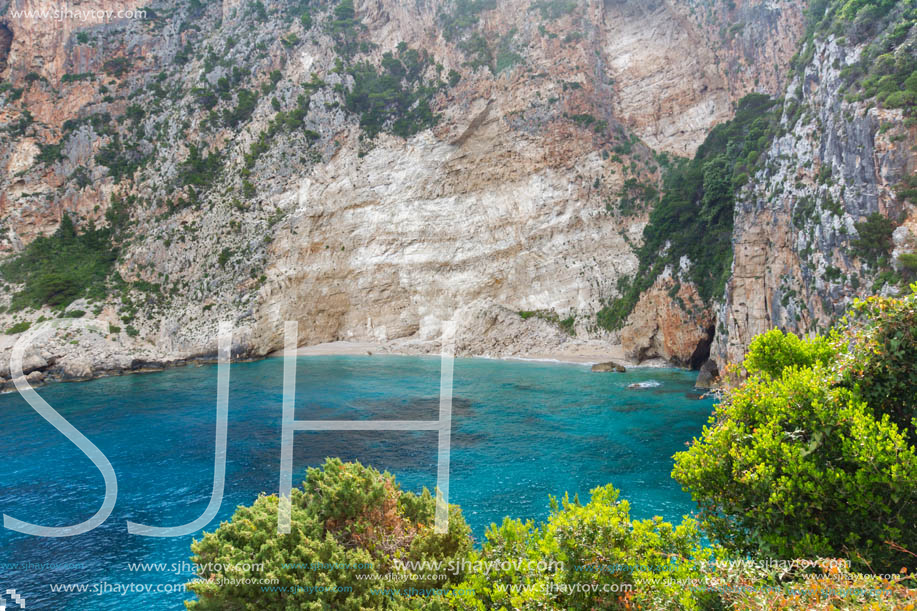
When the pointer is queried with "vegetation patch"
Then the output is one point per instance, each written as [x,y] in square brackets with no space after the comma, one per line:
[875,239]
[396,97]
[814,453]
[567,324]
[462,15]
[553,9]
[198,170]
[694,217]
[61,268]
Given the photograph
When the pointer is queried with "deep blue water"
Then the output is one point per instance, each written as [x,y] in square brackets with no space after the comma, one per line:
[521,431]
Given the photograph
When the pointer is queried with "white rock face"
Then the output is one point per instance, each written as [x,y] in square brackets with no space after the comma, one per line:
[677,72]
[390,245]
[507,205]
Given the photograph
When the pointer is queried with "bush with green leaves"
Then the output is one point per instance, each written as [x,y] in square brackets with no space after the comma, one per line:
[199,170]
[345,29]
[394,98]
[458,16]
[770,353]
[875,238]
[632,564]
[880,366]
[58,269]
[346,515]
[121,158]
[811,456]
[246,102]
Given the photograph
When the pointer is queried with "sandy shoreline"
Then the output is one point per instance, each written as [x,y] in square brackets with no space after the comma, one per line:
[580,354]
[585,353]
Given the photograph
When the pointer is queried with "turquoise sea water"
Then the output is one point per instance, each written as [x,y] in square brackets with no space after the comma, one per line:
[521,431]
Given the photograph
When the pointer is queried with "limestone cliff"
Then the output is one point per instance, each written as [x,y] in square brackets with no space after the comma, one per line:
[244,177]
[805,240]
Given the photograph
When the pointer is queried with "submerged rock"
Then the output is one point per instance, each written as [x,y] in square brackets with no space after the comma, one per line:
[609,367]
[644,385]
[709,373]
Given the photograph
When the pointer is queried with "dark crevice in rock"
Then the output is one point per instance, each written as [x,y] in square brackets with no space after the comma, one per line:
[702,351]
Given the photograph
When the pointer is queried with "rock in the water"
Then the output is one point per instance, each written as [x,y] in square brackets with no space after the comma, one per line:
[609,367]
[644,385]
[709,372]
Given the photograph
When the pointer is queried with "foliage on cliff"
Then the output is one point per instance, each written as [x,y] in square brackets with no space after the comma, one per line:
[58,269]
[694,218]
[887,69]
[395,98]
[814,453]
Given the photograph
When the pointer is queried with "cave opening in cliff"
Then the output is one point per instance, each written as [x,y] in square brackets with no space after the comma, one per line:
[702,351]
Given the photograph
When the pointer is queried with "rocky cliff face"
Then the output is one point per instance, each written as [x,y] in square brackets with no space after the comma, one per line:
[252,184]
[679,67]
[800,259]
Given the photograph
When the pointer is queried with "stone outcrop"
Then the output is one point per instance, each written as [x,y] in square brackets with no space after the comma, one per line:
[708,375]
[609,367]
[669,322]
[678,68]
[836,163]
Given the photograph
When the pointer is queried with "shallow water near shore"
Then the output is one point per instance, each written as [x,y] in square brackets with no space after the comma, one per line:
[521,431]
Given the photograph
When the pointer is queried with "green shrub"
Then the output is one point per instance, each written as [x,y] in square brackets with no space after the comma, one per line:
[59,269]
[19,127]
[477,49]
[198,170]
[345,514]
[907,190]
[345,29]
[808,457]
[204,97]
[875,238]
[881,365]
[72,78]
[553,9]
[117,67]
[908,262]
[19,327]
[121,160]
[596,543]
[395,98]
[769,354]
[462,15]
[50,153]
[258,10]
[225,256]
[246,101]
[635,196]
